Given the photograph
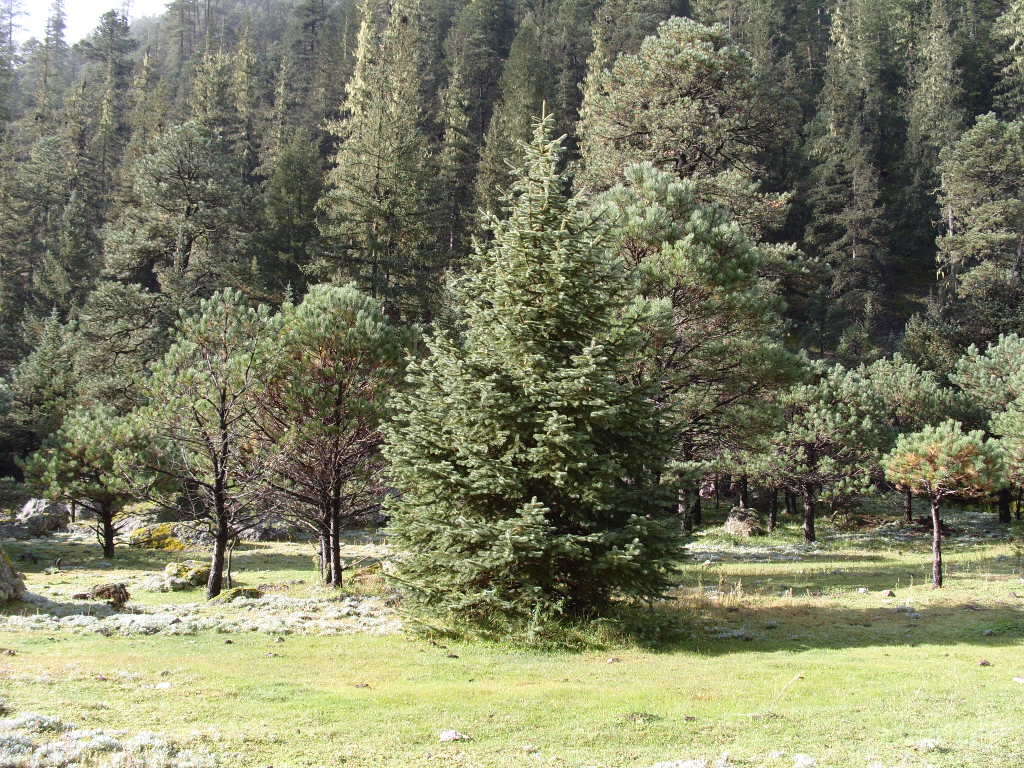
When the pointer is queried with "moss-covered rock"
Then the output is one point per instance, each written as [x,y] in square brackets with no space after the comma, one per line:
[192,571]
[158,536]
[12,587]
[239,593]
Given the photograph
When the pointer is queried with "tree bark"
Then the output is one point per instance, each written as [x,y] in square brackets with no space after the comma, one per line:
[325,555]
[744,492]
[936,545]
[683,509]
[106,516]
[809,513]
[773,509]
[908,506]
[696,512]
[215,583]
[1005,513]
[335,548]
[790,503]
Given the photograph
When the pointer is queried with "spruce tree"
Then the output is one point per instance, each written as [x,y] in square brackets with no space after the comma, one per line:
[526,458]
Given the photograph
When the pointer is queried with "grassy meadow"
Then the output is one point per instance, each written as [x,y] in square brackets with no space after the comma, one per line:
[774,651]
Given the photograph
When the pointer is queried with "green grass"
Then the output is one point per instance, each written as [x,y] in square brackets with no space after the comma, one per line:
[827,671]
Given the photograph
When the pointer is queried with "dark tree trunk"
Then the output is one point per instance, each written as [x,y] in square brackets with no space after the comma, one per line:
[1020,502]
[773,509]
[908,506]
[696,512]
[936,545]
[809,513]
[1005,496]
[215,583]
[106,516]
[744,492]
[790,503]
[335,548]
[73,509]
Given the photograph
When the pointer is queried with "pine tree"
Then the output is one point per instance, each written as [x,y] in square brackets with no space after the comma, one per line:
[379,208]
[332,363]
[687,102]
[200,397]
[109,48]
[850,138]
[1009,32]
[718,371]
[85,463]
[981,252]
[527,460]
[943,461]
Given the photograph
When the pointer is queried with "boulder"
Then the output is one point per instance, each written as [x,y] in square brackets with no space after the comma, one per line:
[193,572]
[40,517]
[743,521]
[116,594]
[11,585]
[159,536]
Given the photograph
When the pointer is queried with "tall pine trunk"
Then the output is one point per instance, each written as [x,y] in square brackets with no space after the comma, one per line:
[908,506]
[1005,497]
[809,513]
[335,548]
[773,509]
[683,509]
[936,545]
[106,515]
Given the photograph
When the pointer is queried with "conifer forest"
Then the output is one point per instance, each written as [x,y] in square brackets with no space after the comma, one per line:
[688,334]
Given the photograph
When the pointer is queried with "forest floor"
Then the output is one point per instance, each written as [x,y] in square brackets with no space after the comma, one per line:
[783,655]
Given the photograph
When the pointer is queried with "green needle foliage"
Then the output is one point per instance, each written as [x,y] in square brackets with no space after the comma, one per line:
[89,460]
[527,462]
[942,461]
[330,367]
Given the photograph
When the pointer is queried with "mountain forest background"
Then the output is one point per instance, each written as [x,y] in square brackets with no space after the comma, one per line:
[873,147]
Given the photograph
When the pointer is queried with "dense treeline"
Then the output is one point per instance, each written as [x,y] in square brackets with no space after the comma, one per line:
[779,241]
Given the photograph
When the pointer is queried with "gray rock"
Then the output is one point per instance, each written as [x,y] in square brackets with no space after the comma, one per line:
[743,521]
[38,517]
[450,735]
[11,585]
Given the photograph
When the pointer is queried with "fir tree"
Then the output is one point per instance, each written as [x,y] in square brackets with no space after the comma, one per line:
[527,460]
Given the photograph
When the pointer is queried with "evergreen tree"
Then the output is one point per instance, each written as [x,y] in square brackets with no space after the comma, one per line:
[379,208]
[85,463]
[109,48]
[981,252]
[200,398]
[688,102]
[943,461]
[718,370]
[1008,31]
[851,141]
[527,459]
[331,363]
